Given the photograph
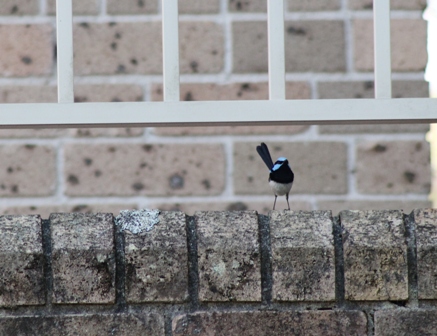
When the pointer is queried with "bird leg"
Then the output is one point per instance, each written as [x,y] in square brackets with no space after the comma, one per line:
[274,204]
[286,197]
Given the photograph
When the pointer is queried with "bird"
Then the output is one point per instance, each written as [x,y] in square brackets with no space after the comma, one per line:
[281,176]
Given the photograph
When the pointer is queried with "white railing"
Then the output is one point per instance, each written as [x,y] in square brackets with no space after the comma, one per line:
[172,112]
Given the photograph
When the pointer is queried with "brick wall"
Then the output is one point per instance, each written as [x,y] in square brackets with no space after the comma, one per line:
[223,56]
[220,273]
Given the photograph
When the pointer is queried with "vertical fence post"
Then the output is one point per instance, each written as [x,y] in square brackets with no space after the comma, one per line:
[64,38]
[170,49]
[381,21]
[276,48]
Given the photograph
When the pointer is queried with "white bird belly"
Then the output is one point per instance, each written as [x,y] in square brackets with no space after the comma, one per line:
[280,189]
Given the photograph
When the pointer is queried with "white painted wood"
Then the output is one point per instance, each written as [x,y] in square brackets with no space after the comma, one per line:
[170,49]
[276,49]
[251,112]
[381,21]
[64,37]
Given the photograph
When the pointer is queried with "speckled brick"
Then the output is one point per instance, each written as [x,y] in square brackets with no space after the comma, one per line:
[229,256]
[83,259]
[115,7]
[322,172]
[327,323]
[408,42]
[375,255]
[394,4]
[19,7]
[84,325]
[426,245]
[27,50]
[406,167]
[302,256]
[199,7]
[144,169]
[313,5]
[157,261]
[396,322]
[27,170]
[80,7]
[310,46]
[247,6]
[22,267]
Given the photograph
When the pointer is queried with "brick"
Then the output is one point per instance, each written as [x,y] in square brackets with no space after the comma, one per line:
[27,170]
[394,4]
[322,172]
[408,40]
[302,256]
[156,261]
[229,256]
[22,267]
[369,128]
[84,324]
[19,7]
[83,259]
[199,7]
[405,322]
[406,167]
[119,132]
[247,6]
[426,242]
[115,7]
[80,7]
[313,5]
[148,169]
[406,205]
[375,255]
[27,94]
[261,207]
[26,50]
[328,323]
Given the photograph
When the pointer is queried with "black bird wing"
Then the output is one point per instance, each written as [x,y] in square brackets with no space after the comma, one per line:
[263,151]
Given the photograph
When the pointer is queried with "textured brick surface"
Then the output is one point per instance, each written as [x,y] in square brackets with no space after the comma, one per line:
[157,262]
[405,322]
[426,240]
[22,261]
[229,256]
[302,256]
[84,325]
[199,7]
[134,169]
[375,255]
[247,6]
[83,259]
[132,7]
[26,50]
[310,46]
[27,170]
[394,4]
[80,7]
[313,5]
[324,171]
[19,7]
[408,41]
[327,323]
[27,94]
[406,167]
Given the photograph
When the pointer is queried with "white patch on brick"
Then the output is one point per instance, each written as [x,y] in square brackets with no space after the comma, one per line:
[137,221]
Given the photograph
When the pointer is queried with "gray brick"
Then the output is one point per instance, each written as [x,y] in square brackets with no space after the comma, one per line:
[396,322]
[22,267]
[80,7]
[406,167]
[394,4]
[157,261]
[132,7]
[83,259]
[322,172]
[199,7]
[229,256]
[19,7]
[313,5]
[302,256]
[375,255]
[247,6]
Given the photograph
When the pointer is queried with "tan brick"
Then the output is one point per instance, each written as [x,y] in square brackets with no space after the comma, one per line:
[148,169]
[199,7]
[247,6]
[19,7]
[406,206]
[394,4]
[319,167]
[369,128]
[375,255]
[408,41]
[313,5]
[397,167]
[80,7]
[132,7]
[27,170]
[27,50]
[310,46]
[127,132]
[393,322]
[27,94]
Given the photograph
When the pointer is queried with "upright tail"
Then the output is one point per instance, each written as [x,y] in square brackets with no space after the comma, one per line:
[263,151]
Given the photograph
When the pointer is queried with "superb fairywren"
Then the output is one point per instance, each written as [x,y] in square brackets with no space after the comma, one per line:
[281,176]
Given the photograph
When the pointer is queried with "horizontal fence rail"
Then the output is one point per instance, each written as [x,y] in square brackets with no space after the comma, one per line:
[172,112]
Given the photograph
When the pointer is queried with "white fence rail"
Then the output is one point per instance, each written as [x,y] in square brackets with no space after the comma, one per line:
[172,112]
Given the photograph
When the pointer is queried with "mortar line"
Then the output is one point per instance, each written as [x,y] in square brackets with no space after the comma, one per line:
[410,228]
[266,259]
[120,268]
[339,262]
[48,271]
[193,264]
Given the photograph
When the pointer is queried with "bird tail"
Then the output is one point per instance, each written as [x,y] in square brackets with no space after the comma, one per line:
[263,151]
